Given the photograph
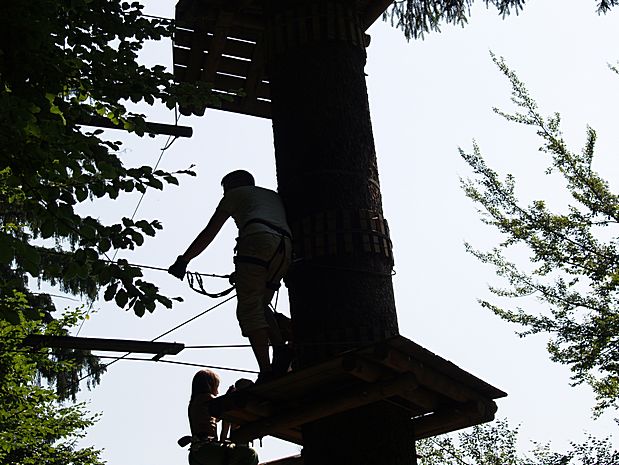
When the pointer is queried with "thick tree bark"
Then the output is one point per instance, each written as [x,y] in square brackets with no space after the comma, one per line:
[326,161]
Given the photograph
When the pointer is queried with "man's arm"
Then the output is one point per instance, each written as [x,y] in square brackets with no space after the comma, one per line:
[201,242]
[207,235]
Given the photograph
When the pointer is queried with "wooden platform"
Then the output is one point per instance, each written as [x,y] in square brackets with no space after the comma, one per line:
[223,42]
[439,396]
[293,460]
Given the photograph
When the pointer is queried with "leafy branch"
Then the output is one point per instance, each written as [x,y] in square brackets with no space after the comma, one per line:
[576,271]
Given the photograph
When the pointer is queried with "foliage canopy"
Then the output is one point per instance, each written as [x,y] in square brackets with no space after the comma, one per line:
[417,18]
[35,427]
[496,444]
[62,63]
[574,252]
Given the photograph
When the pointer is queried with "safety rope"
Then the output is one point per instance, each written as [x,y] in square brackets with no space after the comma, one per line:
[163,334]
[170,140]
[177,362]
[158,268]
[136,359]
[196,284]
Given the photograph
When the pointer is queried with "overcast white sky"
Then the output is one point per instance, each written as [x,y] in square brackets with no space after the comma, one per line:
[427,98]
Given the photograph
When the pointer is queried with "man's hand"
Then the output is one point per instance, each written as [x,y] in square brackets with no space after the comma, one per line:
[179,268]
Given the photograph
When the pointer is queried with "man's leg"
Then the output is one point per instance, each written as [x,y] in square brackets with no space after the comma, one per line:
[275,334]
[251,281]
[282,353]
[259,340]
[253,294]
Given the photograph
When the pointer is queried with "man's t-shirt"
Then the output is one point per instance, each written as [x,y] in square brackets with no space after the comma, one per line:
[251,202]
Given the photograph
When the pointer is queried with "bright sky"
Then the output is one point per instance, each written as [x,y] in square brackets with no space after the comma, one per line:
[427,98]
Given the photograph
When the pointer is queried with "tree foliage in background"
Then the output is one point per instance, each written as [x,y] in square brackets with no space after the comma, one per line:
[496,444]
[63,368]
[417,18]
[35,428]
[61,63]
[574,252]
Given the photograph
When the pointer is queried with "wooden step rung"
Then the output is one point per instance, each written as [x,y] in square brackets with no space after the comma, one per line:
[227,64]
[182,36]
[237,48]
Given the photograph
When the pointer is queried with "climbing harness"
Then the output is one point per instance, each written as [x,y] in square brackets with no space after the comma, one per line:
[281,250]
[196,283]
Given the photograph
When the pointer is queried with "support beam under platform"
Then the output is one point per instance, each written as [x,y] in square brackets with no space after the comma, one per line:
[439,396]
[111,345]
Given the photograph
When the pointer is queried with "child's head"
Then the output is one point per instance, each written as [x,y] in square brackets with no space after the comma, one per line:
[243,383]
[205,382]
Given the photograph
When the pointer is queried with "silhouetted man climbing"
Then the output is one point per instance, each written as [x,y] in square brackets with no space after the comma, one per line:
[262,258]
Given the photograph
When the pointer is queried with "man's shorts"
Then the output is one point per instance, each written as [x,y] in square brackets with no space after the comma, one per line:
[251,279]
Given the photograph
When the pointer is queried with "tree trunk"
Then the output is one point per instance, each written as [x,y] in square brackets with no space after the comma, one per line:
[340,297]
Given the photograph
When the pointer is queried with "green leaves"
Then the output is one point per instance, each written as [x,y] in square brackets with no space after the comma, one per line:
[496,443]
[78,60]
[573,253]
[417,18]
[34,427]
[121,298]
[73,61]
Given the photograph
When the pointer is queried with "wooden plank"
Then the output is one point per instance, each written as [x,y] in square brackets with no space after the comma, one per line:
[371,372]
[233,30]
[293,460]
[229,65]
[455,418]
[313,411]
[250,24]
[255,73]
[282,388]
[423,398]
[426,376]
[259,108]
[196,57]
[364,369]
[224,19]
[104,344]
[226,82]
[237,48]
[446,367]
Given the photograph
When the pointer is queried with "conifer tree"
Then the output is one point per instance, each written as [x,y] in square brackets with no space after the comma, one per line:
[496,444]
[63,63]
[573,251]
[417,18]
